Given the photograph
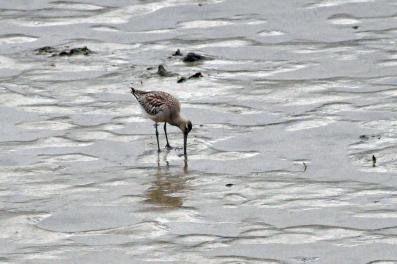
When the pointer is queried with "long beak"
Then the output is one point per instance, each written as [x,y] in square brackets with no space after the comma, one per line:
[184,143]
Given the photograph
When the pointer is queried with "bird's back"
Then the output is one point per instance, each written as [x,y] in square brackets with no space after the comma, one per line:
[157,104]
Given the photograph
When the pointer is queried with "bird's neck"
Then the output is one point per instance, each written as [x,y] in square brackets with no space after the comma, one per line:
[178,121]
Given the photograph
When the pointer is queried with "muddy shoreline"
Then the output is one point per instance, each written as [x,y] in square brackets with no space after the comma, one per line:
[292,153]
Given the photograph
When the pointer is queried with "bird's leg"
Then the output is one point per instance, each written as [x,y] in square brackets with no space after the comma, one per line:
[157,136]
[168,146]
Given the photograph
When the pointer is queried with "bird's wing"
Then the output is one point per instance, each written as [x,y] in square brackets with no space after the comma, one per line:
[153,103]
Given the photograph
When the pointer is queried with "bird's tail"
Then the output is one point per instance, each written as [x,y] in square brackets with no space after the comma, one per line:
[137,93]
[134,92]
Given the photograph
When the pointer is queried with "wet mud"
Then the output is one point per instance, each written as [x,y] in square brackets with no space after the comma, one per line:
[292,156]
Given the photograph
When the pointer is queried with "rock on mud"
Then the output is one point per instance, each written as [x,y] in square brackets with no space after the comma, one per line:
[45,50]
[177,53]
[181,80]
[76,51]
[163,72]
[194,57]
[194,76]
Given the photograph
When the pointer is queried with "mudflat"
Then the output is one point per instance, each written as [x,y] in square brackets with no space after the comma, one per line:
[294,101]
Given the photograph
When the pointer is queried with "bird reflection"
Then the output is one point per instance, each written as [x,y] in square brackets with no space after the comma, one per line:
[167,185]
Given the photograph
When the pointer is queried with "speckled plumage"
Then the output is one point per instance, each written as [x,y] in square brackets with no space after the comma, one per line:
[163,107]
[159,106]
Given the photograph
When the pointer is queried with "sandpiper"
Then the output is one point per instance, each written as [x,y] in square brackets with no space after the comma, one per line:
[163,107]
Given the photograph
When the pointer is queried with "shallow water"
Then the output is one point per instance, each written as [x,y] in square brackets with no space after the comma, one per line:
[297,98]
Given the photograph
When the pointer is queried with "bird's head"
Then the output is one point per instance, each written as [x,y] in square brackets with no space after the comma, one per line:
[185,126]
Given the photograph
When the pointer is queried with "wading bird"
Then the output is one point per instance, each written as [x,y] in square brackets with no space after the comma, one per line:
[163,107]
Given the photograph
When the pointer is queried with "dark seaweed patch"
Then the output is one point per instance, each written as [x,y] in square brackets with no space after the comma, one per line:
[47,50]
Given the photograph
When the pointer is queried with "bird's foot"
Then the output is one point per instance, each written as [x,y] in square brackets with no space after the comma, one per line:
[168,146]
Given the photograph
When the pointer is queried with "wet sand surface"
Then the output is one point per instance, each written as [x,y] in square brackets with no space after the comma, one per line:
[296,99]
